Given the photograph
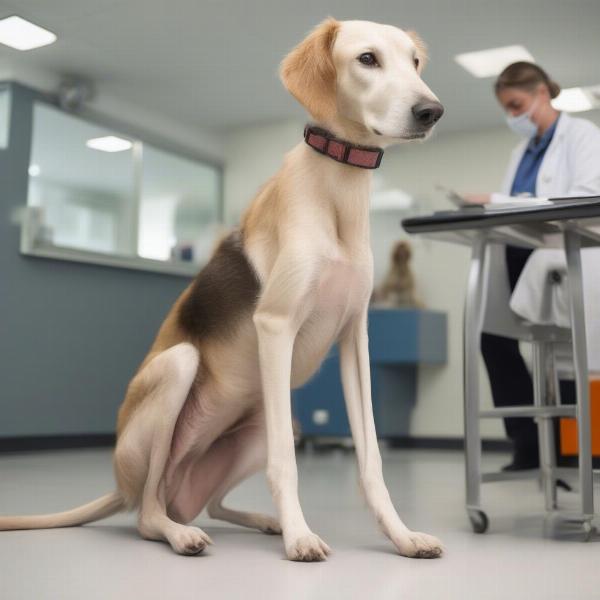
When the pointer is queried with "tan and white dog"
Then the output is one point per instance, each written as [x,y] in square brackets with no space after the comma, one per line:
[210,404]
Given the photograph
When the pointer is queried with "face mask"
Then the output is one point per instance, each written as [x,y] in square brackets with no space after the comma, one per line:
[522,124]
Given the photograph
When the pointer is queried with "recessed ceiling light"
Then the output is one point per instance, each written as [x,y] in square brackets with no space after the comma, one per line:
[573,100]
[488,63]
[109,143]
[34,170]
[23,35]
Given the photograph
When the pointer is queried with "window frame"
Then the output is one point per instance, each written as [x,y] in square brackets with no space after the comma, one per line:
[30,245]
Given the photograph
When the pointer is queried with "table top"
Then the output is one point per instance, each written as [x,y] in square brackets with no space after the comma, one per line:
[477,217]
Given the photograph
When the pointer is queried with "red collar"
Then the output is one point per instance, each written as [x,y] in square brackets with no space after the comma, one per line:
[321,140]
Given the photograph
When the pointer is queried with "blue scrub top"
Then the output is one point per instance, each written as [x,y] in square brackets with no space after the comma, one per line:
[527,171]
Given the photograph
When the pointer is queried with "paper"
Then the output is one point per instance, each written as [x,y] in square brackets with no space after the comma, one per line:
[521,203]
[453,196]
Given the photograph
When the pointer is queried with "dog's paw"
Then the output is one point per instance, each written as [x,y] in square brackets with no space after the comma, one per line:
[417,545]
[307,548]
[188,540]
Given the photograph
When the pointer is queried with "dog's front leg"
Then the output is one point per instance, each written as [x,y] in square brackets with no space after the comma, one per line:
[356,380]
[277,319]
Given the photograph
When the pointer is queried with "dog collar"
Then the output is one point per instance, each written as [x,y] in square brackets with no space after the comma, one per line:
[324,142]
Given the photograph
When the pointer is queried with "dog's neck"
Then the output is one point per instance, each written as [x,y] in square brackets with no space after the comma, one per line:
[344,188]
[343,151]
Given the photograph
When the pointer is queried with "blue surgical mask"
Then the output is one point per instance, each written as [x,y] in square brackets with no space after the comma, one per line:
[522,124]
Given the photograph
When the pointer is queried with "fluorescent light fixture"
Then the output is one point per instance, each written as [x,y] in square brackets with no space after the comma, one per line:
[489,63]
[23,35]
[573,100]
[109,143]
[34,170]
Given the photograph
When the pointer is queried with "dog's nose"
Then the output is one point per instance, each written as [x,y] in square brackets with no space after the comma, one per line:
[427,113]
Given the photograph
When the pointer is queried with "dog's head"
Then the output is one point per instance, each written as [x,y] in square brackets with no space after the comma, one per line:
[364,75]
[401,253]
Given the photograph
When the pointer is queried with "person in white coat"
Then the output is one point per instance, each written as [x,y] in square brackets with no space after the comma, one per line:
[558,157]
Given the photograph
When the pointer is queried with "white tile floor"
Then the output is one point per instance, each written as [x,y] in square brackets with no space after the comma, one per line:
[524,555]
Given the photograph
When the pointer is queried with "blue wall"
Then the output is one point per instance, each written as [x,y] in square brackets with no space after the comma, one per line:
[71,335]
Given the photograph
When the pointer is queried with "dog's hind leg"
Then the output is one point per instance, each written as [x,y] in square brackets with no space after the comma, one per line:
[166,381]
[249,450]
[230,459]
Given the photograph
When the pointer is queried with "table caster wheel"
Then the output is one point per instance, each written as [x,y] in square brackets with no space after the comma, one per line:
[589,530]
[479,521]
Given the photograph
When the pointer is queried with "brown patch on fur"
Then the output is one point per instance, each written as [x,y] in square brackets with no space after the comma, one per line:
[210,307]
[421,49]
[308,71]
[225,290]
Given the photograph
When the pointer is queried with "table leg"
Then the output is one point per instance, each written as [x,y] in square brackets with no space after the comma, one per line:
[576,308]
[545,425]
[473,322]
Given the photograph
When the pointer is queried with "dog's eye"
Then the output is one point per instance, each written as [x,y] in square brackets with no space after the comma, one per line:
[368,59]
[416,61]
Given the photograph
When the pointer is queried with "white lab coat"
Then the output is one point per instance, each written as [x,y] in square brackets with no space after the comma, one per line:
[537,301]
[570,167]
[571,164]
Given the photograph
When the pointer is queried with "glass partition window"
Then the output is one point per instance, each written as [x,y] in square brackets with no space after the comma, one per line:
[4,117]
[179,208]
[83,195]
[96,190]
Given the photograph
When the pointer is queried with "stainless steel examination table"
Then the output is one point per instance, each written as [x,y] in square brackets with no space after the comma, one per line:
[564,222]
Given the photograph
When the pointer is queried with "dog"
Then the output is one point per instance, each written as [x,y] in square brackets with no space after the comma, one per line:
[398,287]
[210,403]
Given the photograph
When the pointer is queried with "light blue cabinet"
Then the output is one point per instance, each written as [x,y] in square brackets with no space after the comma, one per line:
[399,340]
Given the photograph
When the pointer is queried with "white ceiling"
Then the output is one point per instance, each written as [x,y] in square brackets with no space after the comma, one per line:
[212,64]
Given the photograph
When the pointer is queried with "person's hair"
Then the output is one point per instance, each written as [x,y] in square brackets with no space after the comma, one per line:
[525,76]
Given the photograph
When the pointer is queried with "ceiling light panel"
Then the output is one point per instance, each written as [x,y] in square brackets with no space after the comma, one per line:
[574,100]
[109,143]
[491,62]
[23,35]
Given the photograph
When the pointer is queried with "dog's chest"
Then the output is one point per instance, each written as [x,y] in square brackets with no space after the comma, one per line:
[342,289]
[342,286]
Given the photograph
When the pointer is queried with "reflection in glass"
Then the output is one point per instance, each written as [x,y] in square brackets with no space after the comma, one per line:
[95,190]
[179,207]
[84,195]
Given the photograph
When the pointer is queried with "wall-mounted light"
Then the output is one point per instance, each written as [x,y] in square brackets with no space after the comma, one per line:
[34,170]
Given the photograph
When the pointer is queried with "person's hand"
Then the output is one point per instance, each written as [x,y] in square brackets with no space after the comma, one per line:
[477,198]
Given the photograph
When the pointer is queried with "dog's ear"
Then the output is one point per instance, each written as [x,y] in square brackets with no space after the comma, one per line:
[308,71]
[421,49]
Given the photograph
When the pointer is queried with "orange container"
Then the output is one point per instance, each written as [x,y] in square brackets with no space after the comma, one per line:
[568,427]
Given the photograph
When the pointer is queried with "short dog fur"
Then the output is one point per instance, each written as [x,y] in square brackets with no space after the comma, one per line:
[210,403]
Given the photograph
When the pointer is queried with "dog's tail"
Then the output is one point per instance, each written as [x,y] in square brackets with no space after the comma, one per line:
[93,511]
